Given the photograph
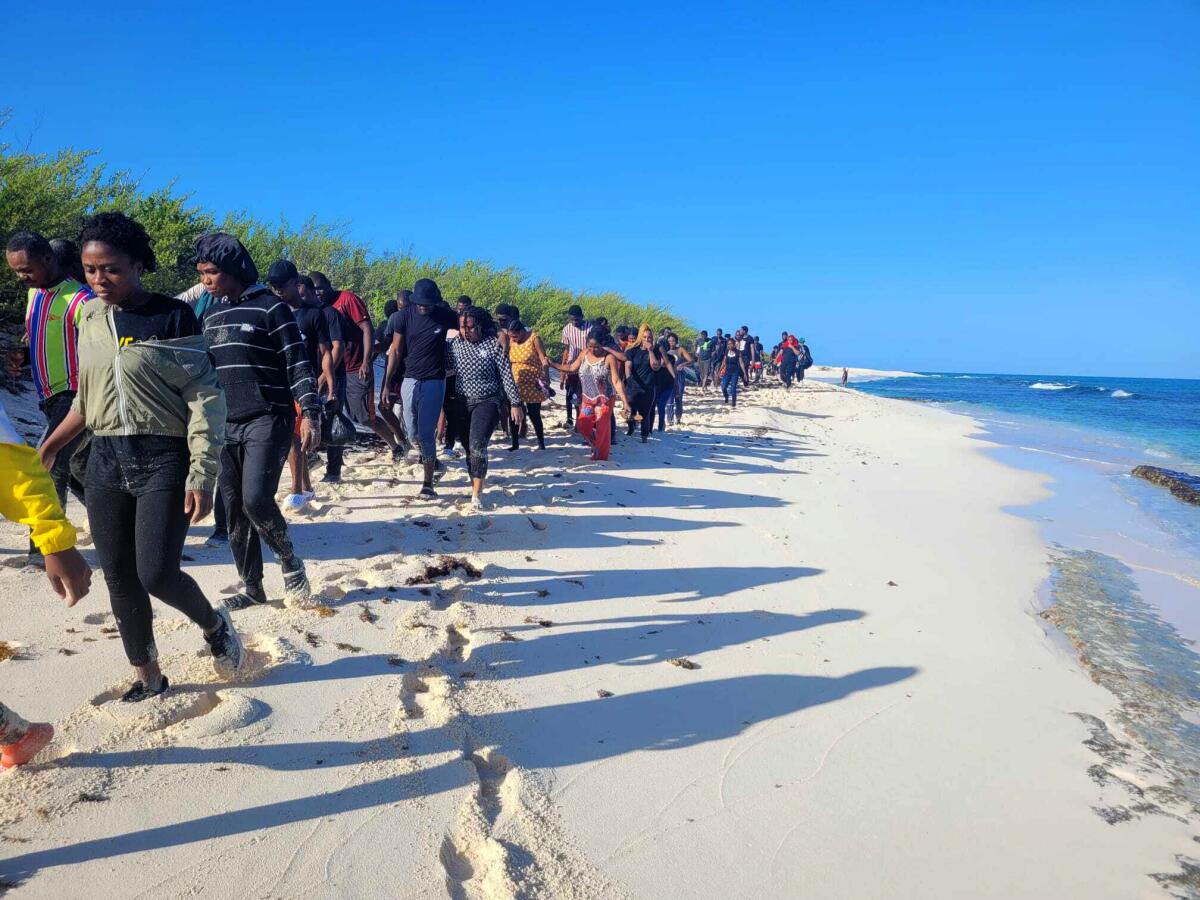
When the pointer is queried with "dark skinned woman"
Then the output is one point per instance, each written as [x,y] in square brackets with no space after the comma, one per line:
[148,391]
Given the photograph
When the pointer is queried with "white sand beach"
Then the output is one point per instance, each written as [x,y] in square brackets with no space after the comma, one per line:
[790,651]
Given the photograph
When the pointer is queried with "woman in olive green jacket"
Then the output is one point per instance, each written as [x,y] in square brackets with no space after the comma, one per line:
[148,392]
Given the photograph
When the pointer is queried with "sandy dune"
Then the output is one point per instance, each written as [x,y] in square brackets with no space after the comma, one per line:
[790,651]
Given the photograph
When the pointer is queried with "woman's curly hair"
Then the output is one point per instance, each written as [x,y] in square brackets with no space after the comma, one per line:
[122,233]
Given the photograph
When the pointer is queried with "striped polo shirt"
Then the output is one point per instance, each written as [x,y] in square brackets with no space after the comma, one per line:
[575,338]
[51,323]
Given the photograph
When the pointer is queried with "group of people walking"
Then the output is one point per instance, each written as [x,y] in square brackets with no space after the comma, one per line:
[160,410]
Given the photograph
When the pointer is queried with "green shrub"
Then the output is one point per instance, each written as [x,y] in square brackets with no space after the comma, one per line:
[53,193]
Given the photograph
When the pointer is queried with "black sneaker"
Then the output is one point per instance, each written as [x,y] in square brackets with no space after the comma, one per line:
[140,692]
[217,539]
[226,646]
[439,472]
[331,478]
[427,491]
[250,595]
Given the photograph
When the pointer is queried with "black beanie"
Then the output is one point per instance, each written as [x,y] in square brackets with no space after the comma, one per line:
[227,253]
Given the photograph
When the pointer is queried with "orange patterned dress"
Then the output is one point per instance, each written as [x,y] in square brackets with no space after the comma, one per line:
[527,369]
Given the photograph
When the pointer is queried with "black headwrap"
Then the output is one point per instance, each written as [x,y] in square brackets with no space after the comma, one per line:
[227,253]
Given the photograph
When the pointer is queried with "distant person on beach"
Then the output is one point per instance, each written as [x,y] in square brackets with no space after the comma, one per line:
[574,339]
[664,383]
[383,340]
[845,376]
[419,343]
[358,338]
[680,360]
[785,359]
[599,379]
[732,369]
[745,351]
[488,390]
[53,311]
[804,358]
[149,391]
[333,325]
[529,364]
[642,363]
[284,281]
[453,421]
[28,495]
[703,360]
[387,410]
[506,314]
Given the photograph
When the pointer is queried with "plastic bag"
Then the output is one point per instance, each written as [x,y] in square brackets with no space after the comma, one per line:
[336,429]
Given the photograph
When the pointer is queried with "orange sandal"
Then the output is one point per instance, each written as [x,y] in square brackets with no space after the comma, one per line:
[20,752]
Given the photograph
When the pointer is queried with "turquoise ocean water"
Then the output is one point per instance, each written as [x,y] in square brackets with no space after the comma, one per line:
[1123,582]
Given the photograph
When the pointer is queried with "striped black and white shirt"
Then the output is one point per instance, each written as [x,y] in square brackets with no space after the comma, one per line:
[260,356]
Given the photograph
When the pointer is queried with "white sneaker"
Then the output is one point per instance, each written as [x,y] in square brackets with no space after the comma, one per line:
[308,496]
[294,501]
[477,503]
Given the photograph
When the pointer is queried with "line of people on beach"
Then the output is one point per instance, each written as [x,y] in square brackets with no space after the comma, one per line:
[161,410]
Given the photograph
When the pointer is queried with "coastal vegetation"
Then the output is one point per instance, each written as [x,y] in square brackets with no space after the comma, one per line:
[53,192]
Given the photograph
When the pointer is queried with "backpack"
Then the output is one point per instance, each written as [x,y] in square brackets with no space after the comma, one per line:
[805,357]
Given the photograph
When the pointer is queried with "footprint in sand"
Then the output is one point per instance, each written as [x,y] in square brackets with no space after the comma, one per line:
[475,862]
[96,618]
[412,685]
[458,642]
[426,695]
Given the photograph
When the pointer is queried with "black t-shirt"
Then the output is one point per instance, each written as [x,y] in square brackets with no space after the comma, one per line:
[389,330]
[664,378]
[333,327]
[160,318]
[311,322]
[425,340]
[642,380]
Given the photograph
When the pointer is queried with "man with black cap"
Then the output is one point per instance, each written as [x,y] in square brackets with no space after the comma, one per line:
[310,319]
[419,344]
[264,370]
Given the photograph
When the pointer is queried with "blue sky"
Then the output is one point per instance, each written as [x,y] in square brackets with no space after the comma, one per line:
[1009,187]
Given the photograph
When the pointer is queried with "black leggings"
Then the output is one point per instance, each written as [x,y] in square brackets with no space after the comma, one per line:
[483,416]
[251,463]
[534,412]
[455,409]
[139,542]
[642,404]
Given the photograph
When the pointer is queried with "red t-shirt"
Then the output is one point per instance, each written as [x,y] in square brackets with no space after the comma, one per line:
[350,305]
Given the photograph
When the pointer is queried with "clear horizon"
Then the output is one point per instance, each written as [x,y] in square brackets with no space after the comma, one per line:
[935,188]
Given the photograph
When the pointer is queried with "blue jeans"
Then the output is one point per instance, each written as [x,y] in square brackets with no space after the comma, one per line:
[662,400]
[729,384]
[422,406]
[675,409]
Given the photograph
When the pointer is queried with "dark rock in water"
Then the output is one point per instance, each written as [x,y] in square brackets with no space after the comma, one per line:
[1184,486]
